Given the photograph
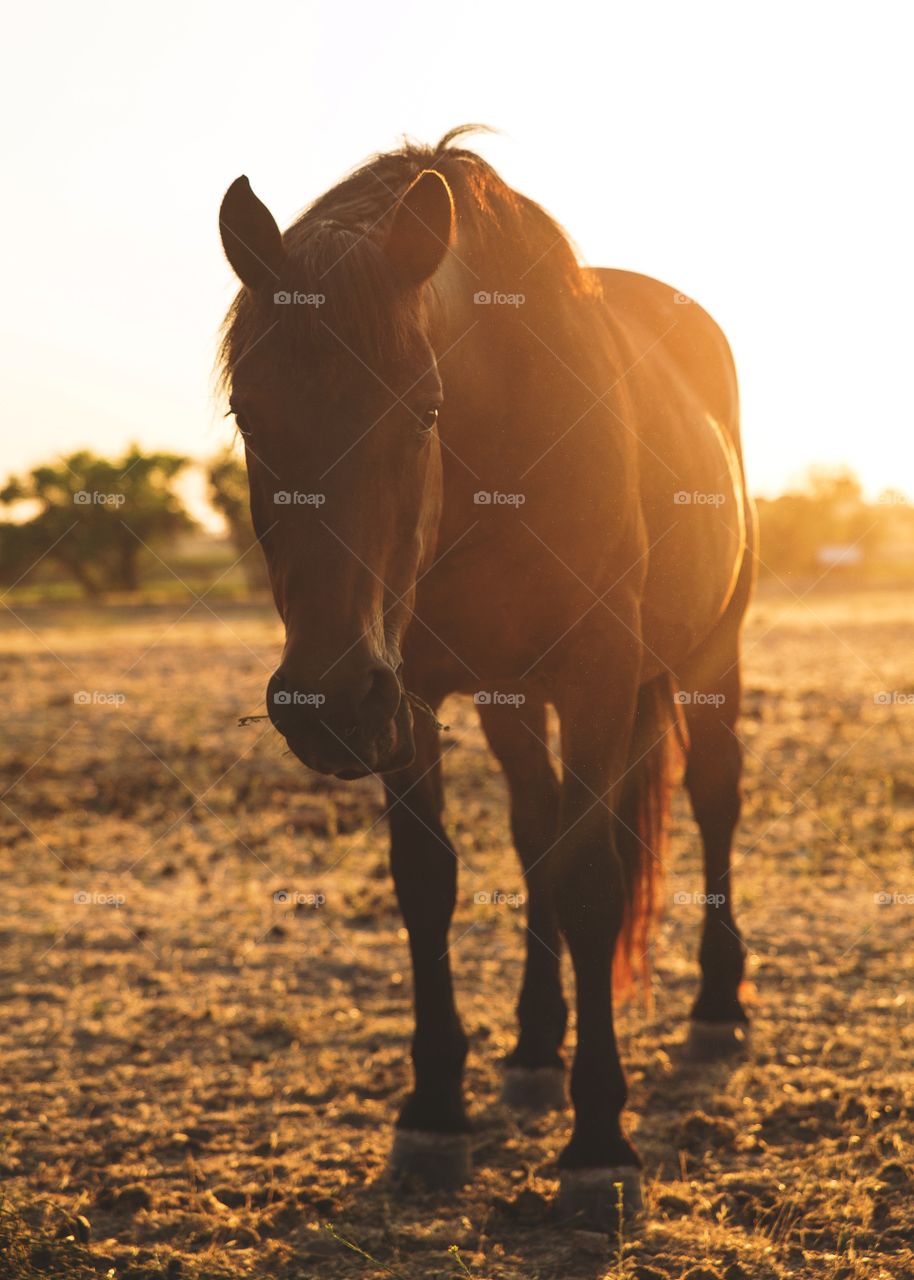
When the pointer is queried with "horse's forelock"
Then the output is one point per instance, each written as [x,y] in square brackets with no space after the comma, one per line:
[336,298]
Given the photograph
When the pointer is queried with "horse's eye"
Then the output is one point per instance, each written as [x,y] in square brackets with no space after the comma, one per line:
[429,418]
[243,424]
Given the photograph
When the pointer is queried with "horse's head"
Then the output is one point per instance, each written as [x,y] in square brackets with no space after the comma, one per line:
[336,392]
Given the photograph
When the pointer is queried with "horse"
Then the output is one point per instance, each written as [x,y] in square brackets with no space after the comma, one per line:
[477,466]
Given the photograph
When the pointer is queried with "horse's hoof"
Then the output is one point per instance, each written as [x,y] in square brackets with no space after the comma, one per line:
[534,1088]
[590,1198]
[708,1041]
[443,1161]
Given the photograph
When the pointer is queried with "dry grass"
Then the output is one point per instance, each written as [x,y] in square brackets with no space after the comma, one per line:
[208,1075]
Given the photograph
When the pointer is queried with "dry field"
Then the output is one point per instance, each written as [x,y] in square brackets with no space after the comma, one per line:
[197,1078]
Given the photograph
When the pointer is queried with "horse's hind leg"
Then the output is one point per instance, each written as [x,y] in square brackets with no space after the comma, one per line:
[432,1136]
[597,706]
[710,688]
[535,1071]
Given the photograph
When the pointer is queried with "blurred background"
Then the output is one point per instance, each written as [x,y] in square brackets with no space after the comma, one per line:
[751,160]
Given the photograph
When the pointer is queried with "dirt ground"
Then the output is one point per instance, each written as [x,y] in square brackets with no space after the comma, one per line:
[198,1076]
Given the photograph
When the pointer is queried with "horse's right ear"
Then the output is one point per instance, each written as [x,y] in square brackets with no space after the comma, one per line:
[422,227]
[250,237]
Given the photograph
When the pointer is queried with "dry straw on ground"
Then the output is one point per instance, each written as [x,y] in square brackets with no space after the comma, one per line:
[205,1071]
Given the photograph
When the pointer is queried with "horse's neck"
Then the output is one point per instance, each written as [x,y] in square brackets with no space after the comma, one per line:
[517,371]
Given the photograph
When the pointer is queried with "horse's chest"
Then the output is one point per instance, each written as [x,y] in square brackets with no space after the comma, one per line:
[482,624]
[514,612]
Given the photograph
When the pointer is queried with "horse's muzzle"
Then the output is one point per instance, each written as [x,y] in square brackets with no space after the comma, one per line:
[348,733]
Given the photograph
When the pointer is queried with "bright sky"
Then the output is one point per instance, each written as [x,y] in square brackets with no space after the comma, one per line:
[755,157]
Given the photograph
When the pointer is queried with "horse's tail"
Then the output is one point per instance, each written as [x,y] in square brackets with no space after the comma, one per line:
[642,813]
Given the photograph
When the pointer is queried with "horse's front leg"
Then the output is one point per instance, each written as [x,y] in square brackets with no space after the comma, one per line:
[597,714]
[432,1136]
[535,1070]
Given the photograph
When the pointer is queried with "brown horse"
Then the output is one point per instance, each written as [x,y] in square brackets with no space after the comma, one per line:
[477,467]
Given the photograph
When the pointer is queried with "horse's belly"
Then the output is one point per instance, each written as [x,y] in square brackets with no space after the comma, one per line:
[696,522]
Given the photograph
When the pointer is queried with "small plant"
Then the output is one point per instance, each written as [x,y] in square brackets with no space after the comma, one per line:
[391,1271]
[350,1244]
[464,1269]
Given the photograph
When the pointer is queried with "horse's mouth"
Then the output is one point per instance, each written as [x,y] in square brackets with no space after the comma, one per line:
[393,750]
[398,749]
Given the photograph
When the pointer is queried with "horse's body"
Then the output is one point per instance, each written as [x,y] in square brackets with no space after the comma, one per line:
[575,534]
[672,399]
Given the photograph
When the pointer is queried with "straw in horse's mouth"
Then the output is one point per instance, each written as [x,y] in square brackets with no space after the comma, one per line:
[412,698]
[421,705]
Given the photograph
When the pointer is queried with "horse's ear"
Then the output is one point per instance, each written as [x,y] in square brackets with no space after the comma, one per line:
[250,237]
[421,230]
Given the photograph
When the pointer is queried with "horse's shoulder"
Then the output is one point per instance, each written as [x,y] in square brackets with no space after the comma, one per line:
[666,332]
[631,291]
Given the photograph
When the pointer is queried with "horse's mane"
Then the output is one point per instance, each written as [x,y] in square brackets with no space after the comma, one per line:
[333,249]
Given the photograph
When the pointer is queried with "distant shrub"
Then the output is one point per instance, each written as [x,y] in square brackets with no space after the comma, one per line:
[100,520]
[827,523]
[228,492]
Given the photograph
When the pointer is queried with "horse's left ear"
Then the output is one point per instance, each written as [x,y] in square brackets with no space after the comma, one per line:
[422,226]
[250,237]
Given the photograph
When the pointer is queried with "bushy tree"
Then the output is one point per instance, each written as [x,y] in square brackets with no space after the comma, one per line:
[828,510]
[99,519]
[228,492]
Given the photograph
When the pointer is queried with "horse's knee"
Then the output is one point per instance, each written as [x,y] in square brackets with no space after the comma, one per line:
[713,779]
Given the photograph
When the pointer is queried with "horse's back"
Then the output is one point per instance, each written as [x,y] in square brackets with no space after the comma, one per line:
[677,390]
[652,312]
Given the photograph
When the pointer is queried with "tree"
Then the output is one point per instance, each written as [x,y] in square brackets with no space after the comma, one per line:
[828,511]
[100,519]
[228,492]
